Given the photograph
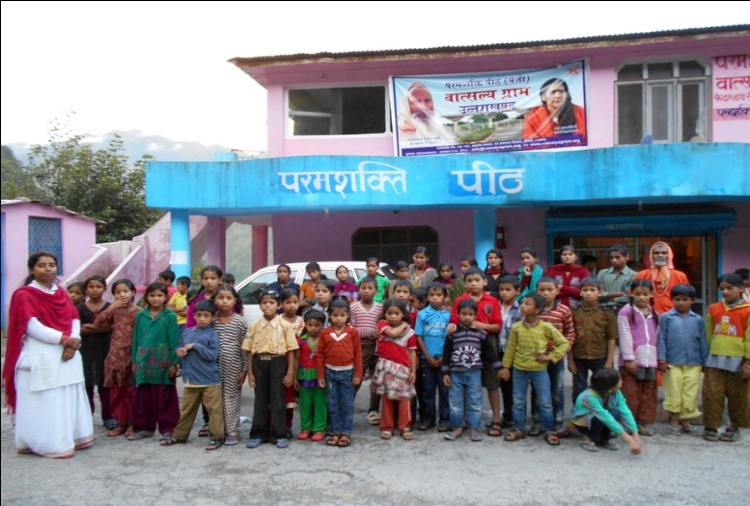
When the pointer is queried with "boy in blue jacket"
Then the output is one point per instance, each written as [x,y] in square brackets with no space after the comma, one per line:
[199,351]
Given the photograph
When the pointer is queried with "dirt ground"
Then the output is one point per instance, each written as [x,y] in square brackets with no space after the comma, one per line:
[429,470]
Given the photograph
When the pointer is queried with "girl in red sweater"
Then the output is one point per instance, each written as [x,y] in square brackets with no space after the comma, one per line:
[339,359]
[569,276]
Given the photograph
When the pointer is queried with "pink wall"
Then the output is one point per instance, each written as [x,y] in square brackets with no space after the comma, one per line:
[600,104]
[313,236]
[330,238]
[523,227]
[736,240]
[78,237]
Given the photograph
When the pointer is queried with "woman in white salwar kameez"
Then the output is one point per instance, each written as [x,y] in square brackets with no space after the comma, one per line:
[43,372]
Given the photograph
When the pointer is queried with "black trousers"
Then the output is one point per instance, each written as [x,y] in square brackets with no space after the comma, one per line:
[269,411]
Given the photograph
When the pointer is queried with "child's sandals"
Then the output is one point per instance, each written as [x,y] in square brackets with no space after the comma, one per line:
[386,434]
[204,432]
[475,436]
[171,441]
[711,435]
[589,446]
[552,439]
[453,435]
[514,435]
[214,444]
[407,434]
[344,440]
[333,440]
[495,429]
[731,435]
[373,417]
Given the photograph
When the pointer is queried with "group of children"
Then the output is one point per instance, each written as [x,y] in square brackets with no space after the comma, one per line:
[427,351]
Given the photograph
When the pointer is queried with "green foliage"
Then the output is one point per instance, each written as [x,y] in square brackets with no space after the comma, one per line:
[99,183]
[16,180]
[479,135]
[479,118]
[195,274]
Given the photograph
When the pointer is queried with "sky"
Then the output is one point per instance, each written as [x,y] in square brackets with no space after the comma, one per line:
[162,67]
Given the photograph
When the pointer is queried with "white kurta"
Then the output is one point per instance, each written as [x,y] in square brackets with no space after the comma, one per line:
[53,415]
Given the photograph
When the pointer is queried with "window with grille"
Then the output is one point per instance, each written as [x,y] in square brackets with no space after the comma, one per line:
[391,244]
[45,234]
[664,100]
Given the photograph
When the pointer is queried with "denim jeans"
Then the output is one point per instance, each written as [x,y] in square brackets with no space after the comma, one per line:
[556,374]
[540,383]
[340,393]
[466,387]
[432,379]
[581,377]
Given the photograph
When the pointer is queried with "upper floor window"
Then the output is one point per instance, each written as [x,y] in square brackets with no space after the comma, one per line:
[337,111]
[664,100]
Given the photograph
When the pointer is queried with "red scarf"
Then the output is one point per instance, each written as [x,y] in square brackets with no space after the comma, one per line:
[55,310]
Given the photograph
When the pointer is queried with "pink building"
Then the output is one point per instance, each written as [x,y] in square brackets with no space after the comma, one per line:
[30,226]
[659,150]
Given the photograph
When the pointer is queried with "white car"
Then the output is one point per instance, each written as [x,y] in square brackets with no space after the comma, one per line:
[251,287]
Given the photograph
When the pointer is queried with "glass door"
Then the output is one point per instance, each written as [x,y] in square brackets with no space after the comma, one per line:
[696,256]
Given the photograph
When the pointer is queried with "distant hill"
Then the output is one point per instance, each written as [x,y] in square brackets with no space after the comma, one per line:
[136,144]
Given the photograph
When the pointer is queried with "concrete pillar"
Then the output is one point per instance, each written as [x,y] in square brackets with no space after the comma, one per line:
[216,241]
[179,259]
[260,246]
[484,232]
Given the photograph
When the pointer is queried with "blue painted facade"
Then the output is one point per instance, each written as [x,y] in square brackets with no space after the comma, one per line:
[687,172]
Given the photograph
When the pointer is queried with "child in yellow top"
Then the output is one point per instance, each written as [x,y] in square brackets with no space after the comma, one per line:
[178,302]
[527,354]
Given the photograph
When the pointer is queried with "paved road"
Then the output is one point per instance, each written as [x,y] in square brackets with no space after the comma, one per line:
[671,470]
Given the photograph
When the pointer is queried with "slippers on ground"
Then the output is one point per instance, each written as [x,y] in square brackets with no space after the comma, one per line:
[333,440]
[475,436]
[171,441]
[214,444]
[318,436]
[453,435]
[386,434]
[610,445]
[589,446]
[675,431]
[495,430]
[232,440]
[514,435]
[711,435]
[730,436]
[254,443]
[534,431]
[552,439]
[344,441]
[141,434]
[117,431]
[373,417]
[204,432]
[407,434]
[282,443]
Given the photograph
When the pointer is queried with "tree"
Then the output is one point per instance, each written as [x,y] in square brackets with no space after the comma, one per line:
[96,183]
[16,180]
